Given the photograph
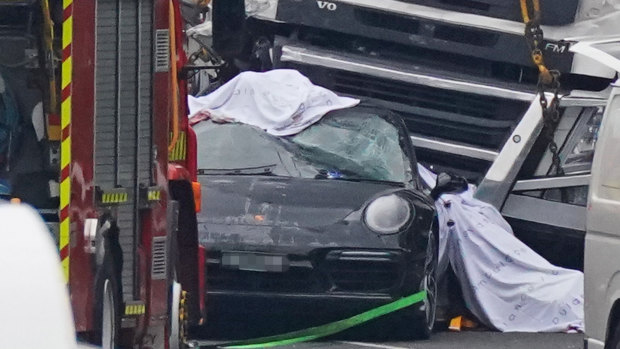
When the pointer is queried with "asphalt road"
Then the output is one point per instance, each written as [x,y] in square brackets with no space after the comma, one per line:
[469,340]
[389,332]
[466,340]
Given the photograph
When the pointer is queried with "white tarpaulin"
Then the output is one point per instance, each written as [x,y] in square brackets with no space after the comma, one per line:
[505,284]
[282,102]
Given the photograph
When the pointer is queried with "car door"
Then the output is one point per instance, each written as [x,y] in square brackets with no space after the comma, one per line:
[602,246]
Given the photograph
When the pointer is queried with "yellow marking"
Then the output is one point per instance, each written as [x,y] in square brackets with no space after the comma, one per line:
[63,242]
[67,35]
[114,197]
[134,309]
[154,195]
[65,153]
[65,268]
[183,146]
[65,146]
[64,233]
[67,67]
[65,112]
[179,152]
[65,193]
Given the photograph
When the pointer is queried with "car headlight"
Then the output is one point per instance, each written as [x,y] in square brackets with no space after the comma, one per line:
[388,214]
[261,8]
[578,150]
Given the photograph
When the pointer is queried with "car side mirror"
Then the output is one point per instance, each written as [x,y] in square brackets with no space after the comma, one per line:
[448,184]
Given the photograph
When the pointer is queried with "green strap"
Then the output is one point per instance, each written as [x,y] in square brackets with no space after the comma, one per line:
[325,330]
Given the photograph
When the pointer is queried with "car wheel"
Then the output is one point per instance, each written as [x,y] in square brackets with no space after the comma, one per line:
[614,342]
[429,284]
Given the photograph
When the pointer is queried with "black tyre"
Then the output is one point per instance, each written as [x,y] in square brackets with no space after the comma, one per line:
[107,311]
[614,338]
[177,316]
[184,255]
[429,283]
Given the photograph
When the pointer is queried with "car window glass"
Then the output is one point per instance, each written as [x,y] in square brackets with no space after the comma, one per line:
[366,145]
[234,146]
[357,147]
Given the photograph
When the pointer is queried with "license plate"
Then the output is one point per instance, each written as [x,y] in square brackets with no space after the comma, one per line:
[255,262]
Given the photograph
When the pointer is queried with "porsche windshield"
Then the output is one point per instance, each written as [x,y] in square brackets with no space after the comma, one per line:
[345,146]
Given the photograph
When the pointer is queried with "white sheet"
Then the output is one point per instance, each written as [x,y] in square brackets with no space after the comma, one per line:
[282,102]
[505,284]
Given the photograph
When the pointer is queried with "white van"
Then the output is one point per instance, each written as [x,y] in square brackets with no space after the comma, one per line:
[602,246]
[36,311]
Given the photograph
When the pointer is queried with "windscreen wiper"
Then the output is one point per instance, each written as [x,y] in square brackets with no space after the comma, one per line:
[336,175]
[258,170]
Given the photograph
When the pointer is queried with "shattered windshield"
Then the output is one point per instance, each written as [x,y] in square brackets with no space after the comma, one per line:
[345,146]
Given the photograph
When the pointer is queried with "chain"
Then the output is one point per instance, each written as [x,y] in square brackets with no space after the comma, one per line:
[548,81]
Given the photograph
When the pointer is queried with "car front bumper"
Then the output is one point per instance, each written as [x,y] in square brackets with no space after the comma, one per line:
[345,281]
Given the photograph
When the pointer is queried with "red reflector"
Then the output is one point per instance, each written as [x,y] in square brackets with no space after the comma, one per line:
[197,189]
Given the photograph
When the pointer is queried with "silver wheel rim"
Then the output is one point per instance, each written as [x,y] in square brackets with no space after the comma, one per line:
[429,301]
[108,328]
[429,282]
[174,316]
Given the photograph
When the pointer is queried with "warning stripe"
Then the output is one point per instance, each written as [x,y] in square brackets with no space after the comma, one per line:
[179,152]
[135,309]
[154,195]
[65,124]
[116,197]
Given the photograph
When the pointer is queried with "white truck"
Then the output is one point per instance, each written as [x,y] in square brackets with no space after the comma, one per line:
[461,74]
[602,247]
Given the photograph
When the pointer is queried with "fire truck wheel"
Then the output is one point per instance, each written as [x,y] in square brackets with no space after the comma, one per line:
[107,314]
[176,340]
[108,320]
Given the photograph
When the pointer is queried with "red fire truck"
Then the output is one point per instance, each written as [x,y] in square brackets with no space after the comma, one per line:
[94,134]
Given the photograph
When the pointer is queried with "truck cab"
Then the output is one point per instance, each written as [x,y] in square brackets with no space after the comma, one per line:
[461,75]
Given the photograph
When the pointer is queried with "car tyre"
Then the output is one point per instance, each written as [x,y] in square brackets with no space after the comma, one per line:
[614,338]
[426,326]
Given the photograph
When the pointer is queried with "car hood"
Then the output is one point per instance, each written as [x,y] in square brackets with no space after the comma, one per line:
[254,212]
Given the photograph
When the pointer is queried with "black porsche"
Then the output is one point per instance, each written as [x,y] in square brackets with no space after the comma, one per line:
[332,217]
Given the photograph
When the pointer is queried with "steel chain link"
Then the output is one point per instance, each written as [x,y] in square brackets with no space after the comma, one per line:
[548,81]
